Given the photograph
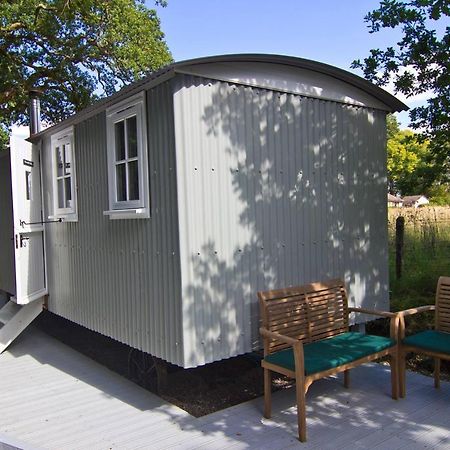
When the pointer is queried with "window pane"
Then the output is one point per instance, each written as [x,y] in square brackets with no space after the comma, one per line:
[132,137]
[121,182]
[60,193]
[59,161]
[119,132]
[68,187]
[67,160]
[133,180]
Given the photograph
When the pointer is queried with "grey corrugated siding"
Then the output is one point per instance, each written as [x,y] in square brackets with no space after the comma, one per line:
[121,277]
[275,190]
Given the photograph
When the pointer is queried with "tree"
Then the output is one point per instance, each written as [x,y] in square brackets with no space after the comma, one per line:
[73,51]
[410,169]
[411,164]
[392,126]
[4,137]
[419,63]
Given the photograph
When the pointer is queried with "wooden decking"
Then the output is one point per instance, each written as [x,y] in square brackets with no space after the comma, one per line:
[51,397]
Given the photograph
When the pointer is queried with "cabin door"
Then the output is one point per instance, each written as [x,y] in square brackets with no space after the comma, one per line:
[27,220]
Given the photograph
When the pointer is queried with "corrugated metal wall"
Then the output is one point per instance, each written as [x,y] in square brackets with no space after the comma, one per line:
[275,190]
[120,277]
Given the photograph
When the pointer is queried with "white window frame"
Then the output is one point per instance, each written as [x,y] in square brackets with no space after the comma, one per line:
[128,209]
[64,137]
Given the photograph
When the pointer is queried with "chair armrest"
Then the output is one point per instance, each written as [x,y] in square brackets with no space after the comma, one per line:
[395,319]
[419,309]
[410,312]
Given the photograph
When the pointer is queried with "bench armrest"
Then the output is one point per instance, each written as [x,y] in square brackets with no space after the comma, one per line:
[374,312]
[395,319]
[410,312]
[296,345]
[281,337]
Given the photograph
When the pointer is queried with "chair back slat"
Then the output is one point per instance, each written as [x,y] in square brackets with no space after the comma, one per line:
[443,305]
[308,313]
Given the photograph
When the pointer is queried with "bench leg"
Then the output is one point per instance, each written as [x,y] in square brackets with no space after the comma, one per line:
[402,373]
[267,393]
[347,378]
[437,373]
[301,406]
[395,374]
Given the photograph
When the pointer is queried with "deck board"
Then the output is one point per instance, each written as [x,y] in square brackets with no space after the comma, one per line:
[52,397]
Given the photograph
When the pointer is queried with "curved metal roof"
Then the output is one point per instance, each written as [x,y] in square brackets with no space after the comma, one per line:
[301,63]
[170,70]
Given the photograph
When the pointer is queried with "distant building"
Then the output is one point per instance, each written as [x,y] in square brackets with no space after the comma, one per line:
[414,201]
[394,202]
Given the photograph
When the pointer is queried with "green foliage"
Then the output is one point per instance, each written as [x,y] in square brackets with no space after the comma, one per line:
[440,195]
[410,163]
[4,138]
[392,126]
[73,51]
[418,63]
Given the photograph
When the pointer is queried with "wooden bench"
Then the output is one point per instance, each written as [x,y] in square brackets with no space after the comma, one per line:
[434,343]
[306,336]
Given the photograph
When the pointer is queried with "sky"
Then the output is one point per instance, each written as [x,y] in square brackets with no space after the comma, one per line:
[329,31]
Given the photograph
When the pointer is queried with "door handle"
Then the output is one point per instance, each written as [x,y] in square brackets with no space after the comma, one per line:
[23,240]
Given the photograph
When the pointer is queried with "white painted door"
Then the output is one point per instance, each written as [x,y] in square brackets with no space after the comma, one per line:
[28,226]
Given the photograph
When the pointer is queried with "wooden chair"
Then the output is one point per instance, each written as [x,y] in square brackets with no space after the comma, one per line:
[306,336]
[434,343]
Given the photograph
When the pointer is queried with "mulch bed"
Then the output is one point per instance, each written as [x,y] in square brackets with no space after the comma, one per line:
[198,391]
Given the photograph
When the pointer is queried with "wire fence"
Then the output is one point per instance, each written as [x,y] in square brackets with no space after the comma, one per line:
[425,253]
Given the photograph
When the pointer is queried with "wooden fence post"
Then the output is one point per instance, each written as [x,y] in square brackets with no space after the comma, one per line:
[399,241]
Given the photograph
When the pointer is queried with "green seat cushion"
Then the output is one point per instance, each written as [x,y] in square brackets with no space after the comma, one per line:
[432,340]
[332,352]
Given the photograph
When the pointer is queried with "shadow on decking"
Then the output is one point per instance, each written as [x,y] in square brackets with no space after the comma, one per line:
[122,415]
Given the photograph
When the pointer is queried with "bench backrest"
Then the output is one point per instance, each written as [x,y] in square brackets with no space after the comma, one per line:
[443,305]
[309,313]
